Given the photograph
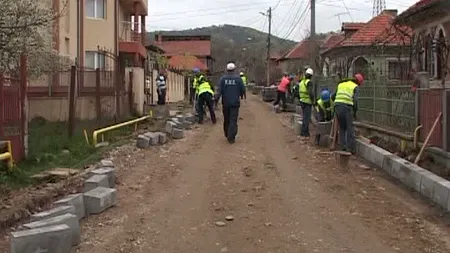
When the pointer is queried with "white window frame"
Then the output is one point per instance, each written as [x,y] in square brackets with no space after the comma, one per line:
[97,60]
[96,4]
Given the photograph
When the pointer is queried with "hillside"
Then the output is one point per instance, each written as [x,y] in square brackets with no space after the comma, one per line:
[246,46]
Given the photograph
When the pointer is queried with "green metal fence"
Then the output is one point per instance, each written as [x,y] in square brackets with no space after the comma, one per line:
[383,103]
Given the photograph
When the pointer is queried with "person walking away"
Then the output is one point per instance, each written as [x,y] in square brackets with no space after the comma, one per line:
[194,85]
[161,89]
[205,97]
[324,109]
[244,80]
[281,91]
[231,89]
[346,108]
[306,94]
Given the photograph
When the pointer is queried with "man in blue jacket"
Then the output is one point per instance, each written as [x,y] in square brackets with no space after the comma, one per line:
[231,89]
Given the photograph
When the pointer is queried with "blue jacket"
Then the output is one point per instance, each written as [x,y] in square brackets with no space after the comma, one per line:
[231,89]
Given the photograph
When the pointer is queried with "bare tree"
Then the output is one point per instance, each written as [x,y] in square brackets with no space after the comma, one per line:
[26,27]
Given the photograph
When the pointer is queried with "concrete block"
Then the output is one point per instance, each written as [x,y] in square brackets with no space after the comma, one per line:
[298,127]
[70,220]
[294,117]
[189,117]
[372,153]
[105,163]
[441,193]
[178,124]
[154,138]
[363,149]
[298,110]
[178,133]
[404,171]
[427,184]
[323,127]
[276,109]
[169,127]
[76,201]
[162,138]
[99,199]
[324,140]
[143,141]
[181,118]
[56,211]
[53,239]
[96,181]
[109,172]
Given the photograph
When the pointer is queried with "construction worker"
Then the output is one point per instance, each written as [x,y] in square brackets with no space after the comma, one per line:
[244,80]
[198,76]
[324,109]
[306,94]
[205,97]
[346,108]
[194,84]
[161,90]
[231,89]
[282,90]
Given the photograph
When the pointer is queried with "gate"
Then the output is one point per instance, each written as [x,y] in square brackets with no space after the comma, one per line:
[11,124]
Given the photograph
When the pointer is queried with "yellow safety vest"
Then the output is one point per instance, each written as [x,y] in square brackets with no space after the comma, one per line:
[244,80]
[196,84]
[345,92]
[303,92]
[321,104]
[205,87]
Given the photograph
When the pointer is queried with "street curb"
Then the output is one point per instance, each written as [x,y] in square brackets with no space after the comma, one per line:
[428,184]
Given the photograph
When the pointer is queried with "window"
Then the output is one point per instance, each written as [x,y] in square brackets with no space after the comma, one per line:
[94,60]
[95,9]
[398,70]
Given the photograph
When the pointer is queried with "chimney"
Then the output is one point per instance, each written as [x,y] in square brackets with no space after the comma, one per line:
[393,13]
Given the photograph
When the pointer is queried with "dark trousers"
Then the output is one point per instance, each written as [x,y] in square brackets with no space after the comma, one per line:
[281,96]
[192,95]
[161,96]
[206,98]
[245,94]
[344,115]
[230,118]
[306,109]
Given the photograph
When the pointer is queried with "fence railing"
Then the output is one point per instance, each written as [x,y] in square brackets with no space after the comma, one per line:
[131,31]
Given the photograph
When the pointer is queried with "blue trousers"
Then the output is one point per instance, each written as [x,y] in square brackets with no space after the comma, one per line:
[306,109]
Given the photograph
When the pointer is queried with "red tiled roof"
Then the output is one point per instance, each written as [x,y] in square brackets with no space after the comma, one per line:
[332,40]
[300,51]
[379,29]
[192,47]
[186,62]
[352,25]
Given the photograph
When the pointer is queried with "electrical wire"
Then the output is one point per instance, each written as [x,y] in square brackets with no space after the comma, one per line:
[345,5]
[288,16]
[296,21]
[279,1]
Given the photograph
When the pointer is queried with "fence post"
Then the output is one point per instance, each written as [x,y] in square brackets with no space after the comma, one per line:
[2,101]
[73,74]
[444,121]
[130,92]
[417,106]
[98,108]
[117,90]
[24,102]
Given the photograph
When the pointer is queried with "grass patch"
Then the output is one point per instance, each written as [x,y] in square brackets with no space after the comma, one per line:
[49,147]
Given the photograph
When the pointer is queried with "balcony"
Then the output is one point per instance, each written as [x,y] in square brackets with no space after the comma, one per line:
[135,7]
[132,37]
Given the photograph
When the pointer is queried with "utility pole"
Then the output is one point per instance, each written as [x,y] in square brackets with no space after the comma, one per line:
[268,46]
[312,36]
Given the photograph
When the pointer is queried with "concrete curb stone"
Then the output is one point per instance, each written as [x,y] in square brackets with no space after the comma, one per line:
[56,211]
[108,171]
[76,201]
[96,181]
[154,138]
[162,138]
[70,220]
[99,199]
[178,133]
[143,141]
[169,127]
[54,239]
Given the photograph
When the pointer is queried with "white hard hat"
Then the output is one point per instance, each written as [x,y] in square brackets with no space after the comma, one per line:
[161,78]
[231,66]
[309,71]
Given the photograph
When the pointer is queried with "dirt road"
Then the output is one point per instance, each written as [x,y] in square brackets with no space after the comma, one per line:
[283,196]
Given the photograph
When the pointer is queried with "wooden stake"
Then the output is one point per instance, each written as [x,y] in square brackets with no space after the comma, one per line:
[428,138]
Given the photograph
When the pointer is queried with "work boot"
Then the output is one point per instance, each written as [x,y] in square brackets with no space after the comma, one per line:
[231,141]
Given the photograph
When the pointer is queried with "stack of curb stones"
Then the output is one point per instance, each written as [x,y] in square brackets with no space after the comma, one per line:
[256,90]
[175,127]
[58,229]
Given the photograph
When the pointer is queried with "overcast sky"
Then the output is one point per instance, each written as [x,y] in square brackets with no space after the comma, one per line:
[291,18]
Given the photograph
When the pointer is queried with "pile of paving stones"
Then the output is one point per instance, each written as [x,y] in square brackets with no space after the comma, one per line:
[269,94]
[175,128]
[256,89]
[58,229]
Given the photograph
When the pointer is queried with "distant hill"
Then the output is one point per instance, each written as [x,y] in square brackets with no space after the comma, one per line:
[245,45]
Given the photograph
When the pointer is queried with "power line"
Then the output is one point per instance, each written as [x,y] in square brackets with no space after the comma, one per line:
[345,5]
[296,22]
[279,1]
[288,16]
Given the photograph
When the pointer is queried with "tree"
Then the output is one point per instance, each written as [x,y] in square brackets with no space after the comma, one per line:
[26,27]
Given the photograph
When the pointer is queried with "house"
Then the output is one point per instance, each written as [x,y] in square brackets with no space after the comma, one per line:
[430,21]
[378,48]
[295,60]
[106,31]
[186,52]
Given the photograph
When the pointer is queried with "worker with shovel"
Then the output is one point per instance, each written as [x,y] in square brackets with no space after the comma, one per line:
[346,108]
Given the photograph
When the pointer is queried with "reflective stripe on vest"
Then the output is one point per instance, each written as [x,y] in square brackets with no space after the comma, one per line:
[303,92]
[197,84]
[205,87]
[345,92]
[244,80]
